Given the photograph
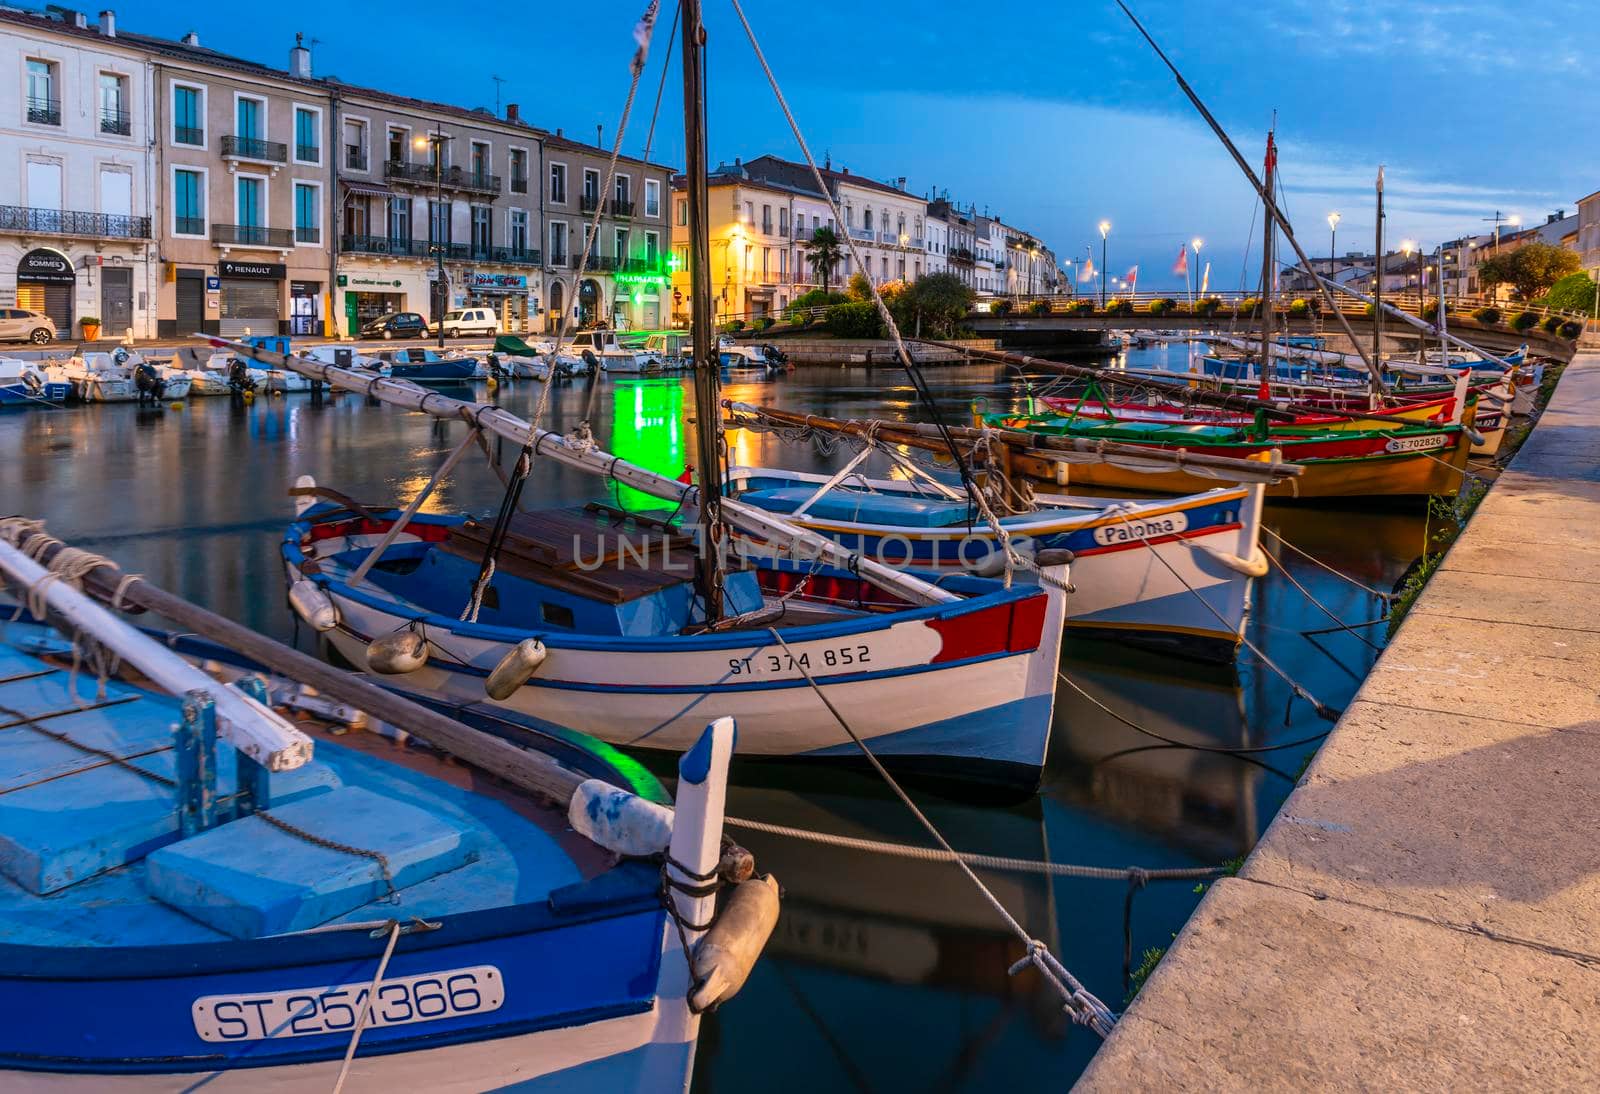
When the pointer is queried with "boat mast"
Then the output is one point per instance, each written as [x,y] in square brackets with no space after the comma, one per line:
[707,401]
[1269,231]
[1377,285]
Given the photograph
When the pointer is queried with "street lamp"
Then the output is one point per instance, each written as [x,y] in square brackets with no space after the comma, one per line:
[1406,247]
[1333,250]
[439,297]
[1072,280]
[1105,230]
[1195,243]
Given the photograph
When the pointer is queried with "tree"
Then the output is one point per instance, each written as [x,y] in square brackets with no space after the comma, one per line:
[858,288]
[1530,269]
[1575,292]
[934,306]
[824,254]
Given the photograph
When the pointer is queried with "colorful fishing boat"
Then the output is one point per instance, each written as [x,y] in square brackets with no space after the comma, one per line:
[1407,460]
[589,602]
[426,366]
[1174,573]
[327,908]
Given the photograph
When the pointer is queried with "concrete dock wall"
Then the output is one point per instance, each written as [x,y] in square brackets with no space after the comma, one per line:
[1424,913]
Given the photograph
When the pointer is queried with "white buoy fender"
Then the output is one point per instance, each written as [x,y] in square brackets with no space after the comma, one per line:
[514,669]
[1255,566]
[313,605]
[724,957]
[302,502]
[397,654]
[619,821]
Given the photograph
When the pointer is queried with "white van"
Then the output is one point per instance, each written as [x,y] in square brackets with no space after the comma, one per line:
[479,321]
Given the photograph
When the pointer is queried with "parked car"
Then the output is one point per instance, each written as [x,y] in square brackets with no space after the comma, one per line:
[21,325]
[399,324]
[479,321]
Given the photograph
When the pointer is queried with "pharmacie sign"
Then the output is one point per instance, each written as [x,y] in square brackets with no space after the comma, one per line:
[263,270]
[640,278]
[493,282]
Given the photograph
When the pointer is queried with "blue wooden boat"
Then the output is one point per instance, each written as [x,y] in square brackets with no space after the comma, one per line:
[23,383]
[426,366]
[330,904]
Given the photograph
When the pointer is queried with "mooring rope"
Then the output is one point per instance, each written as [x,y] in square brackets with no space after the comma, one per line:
[1318,562]
[366,1007]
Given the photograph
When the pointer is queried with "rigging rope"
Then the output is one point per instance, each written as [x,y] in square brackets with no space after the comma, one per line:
[366,1007]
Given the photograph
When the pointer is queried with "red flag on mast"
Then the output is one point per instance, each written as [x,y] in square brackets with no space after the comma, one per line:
[1182,265]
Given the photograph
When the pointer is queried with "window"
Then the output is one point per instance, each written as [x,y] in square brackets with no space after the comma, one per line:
[683,212]
[480,163]
[652,248]
[400,219]
[766,220]
[621,241]
[114,116]
[307,213]
[482,232]
[519,171]
[44,107]
[247,119]
[885,261]
[749,212]
[188,115]
[519,231]
[439,222]
[591,189]
[558,183]
[783,221]
[398,146]
[866,220]
[766,263]
[247,203]
[188,203]
[622,190]
[652,197]
[783,265]
[558,243]
[307,141]
[116,194]
[355,145]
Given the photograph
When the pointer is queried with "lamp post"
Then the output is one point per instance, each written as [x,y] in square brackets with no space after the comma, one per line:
[1333,250]
[1072,286]
[1195,243]
[1105,230]
[440,295]
[1406,247]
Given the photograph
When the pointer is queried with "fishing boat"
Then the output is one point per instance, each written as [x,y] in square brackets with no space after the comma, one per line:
[24,383]
[1091,407]
[1175,572]
[426,366]
[1409,459]
[236,898]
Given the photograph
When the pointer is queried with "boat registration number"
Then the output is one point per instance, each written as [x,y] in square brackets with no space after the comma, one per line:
[784,663]
[304,1012]
[1132,531]
[1485,422]
[1417,444]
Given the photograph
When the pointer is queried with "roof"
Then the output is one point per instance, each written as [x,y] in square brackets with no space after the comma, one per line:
[799,175]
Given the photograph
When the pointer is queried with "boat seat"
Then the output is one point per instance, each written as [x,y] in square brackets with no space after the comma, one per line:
[250,878]
[868,508]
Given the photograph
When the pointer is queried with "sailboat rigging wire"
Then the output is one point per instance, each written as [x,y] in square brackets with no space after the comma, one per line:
[1081,1004]
[917,380]
[666,66]
[1266,197]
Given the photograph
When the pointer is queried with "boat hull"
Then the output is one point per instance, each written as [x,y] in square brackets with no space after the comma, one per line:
[19,394]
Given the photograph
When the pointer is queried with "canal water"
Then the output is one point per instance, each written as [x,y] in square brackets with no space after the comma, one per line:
[885,973]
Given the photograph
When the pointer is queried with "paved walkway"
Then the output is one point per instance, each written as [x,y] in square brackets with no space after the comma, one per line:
[1424,913]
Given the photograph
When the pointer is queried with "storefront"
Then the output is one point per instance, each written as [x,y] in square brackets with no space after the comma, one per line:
[638,301]
[509,295]
[305,307]
[46,282]
[369,294]
[252,297]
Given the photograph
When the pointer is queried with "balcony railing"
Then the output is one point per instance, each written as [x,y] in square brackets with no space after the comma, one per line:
[308,153]
[304,234]
[588,203]
[621,208]
[519,184]
[254,148]
[63,222]
[559,260]
[189,226]
[511,256]
[115,121]
[866,234]
[184,134]
[422,174]
[355,157]
[766,228]
[918,243]
[422,248]
[383,245]
[251,235]
[44,111]
[960,254]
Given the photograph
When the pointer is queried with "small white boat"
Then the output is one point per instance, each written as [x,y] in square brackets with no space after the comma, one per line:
[751,356]
[99,377]
[26,383]
[671,349]
[612,354]
[532,360]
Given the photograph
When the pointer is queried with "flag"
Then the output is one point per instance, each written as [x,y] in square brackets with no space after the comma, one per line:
[1205,279]
[1182,265]
[1133,276]
[641,35]
[1086,271]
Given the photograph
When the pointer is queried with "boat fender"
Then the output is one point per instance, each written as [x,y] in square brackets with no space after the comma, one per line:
[993,564]
[619,821]
[736,864]
[1054,556]
[1473,434]
[304,486]
[397,654]
[724,957]
[1255,566]
[514,669]
[313,605]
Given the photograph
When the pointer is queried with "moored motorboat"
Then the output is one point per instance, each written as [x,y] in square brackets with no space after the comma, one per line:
[426,366]
[25,383]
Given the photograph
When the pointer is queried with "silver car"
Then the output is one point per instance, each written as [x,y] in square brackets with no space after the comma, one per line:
[21,325]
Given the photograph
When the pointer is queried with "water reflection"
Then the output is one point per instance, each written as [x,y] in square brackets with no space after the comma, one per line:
[885,974]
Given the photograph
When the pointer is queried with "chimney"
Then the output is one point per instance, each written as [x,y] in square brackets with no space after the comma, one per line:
[599,135]
[900,183]
[300,59]
[558,131]
[513,113]
[192,40]
[108,23]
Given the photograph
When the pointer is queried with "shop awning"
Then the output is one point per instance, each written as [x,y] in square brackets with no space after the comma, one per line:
[366,189]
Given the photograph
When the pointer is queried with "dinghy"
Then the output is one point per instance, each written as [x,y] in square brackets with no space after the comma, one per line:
[196,892]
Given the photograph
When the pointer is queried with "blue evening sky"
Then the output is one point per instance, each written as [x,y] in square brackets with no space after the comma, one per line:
[1053,115]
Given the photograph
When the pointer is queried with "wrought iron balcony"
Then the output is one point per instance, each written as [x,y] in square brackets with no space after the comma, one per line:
[588,203]
[308,153]
[558,260]
[115,121]
[383,245]
[355,157]
[64,222]
[44,111]
[519,184]
[251,235]
[184,134]
[453,178]
[863,234]
[307,235]
[254,148]
[189,226]
[511,256]
[621,208]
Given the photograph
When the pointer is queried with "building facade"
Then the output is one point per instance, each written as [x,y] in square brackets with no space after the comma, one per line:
[1588,244]
[77,176]
[935,241]
[626,280]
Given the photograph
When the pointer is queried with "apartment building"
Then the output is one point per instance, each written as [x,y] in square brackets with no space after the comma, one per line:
[438,209]
[627,277]
[960,235]
[935,240]
[77,176]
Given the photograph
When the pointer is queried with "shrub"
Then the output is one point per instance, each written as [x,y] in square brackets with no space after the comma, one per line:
[1081,307]
[1000,307]
[1551,324]
[816,298]
[1248,306]
[1301,309]
[1575,292]
[1208,306]
[1571,330]
[1524,320]
[1164,305]
[856,319]
[1120,307]
[1489,317]
[1039,307]
[763,323]
[858,288]
[1430,311]
[800,320]
[1369,309]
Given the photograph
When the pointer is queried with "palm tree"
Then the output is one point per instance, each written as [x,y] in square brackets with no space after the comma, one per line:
[824,255]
